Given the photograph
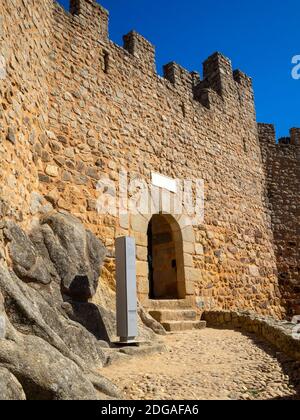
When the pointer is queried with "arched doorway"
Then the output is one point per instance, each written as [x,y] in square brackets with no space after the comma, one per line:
[165,258]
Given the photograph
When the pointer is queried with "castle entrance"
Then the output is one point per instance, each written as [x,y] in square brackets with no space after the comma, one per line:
[165,258]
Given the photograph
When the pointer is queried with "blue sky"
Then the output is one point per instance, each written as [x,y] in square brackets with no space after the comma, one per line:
[259,36]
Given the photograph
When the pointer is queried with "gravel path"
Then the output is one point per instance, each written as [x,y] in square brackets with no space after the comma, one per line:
[209,364]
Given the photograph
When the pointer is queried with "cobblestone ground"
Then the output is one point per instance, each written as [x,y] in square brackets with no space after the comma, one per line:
[209,364]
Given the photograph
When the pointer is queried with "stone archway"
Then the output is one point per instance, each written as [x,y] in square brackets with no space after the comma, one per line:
[184,236]
[165,258]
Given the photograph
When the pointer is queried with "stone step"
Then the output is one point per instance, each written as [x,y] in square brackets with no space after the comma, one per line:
[178,326]
[165,315]
[167,304]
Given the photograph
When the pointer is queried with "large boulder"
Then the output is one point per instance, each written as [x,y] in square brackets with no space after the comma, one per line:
[27,262]
[76,254]
[41,347]
[44,373]
[30,312]
[53,340]
[60,249]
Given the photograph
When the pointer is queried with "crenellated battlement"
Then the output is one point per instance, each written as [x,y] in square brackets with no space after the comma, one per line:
[242,78]
[94,16]
[181,78]
[140,48]
[295,136]
[218,76]
[267,136]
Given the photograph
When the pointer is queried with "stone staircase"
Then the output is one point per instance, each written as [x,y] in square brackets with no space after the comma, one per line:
[175,315]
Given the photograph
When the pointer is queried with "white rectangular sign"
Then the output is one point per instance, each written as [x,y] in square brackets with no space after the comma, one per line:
[165,182]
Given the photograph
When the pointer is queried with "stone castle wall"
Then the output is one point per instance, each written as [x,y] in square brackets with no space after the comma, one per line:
[85,107]
[282,166]
[25,48]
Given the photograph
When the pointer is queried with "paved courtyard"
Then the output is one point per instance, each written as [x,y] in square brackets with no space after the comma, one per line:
[209,364]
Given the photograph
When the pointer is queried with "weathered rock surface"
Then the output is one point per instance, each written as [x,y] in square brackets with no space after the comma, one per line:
[58,249]
[151,322]
[51,355]
[27,263]
[102,323]
[2,319]
[44,372]
[33,313]
[52,339]
[10,388]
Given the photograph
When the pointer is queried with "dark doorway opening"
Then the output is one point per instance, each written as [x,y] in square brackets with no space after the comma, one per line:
[165,259]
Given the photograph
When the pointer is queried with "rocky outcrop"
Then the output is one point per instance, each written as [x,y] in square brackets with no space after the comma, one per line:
[60,249]
[44,372]
[150,321]
[53,341]
[40,313]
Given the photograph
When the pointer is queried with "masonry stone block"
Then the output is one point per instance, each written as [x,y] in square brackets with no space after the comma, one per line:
[190,288]
[141,253]
[199,249]
[188,247]
[142,269]
[188,234]
[192,274]
[139,223]
[140,238]
[143,285]
[188,260]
